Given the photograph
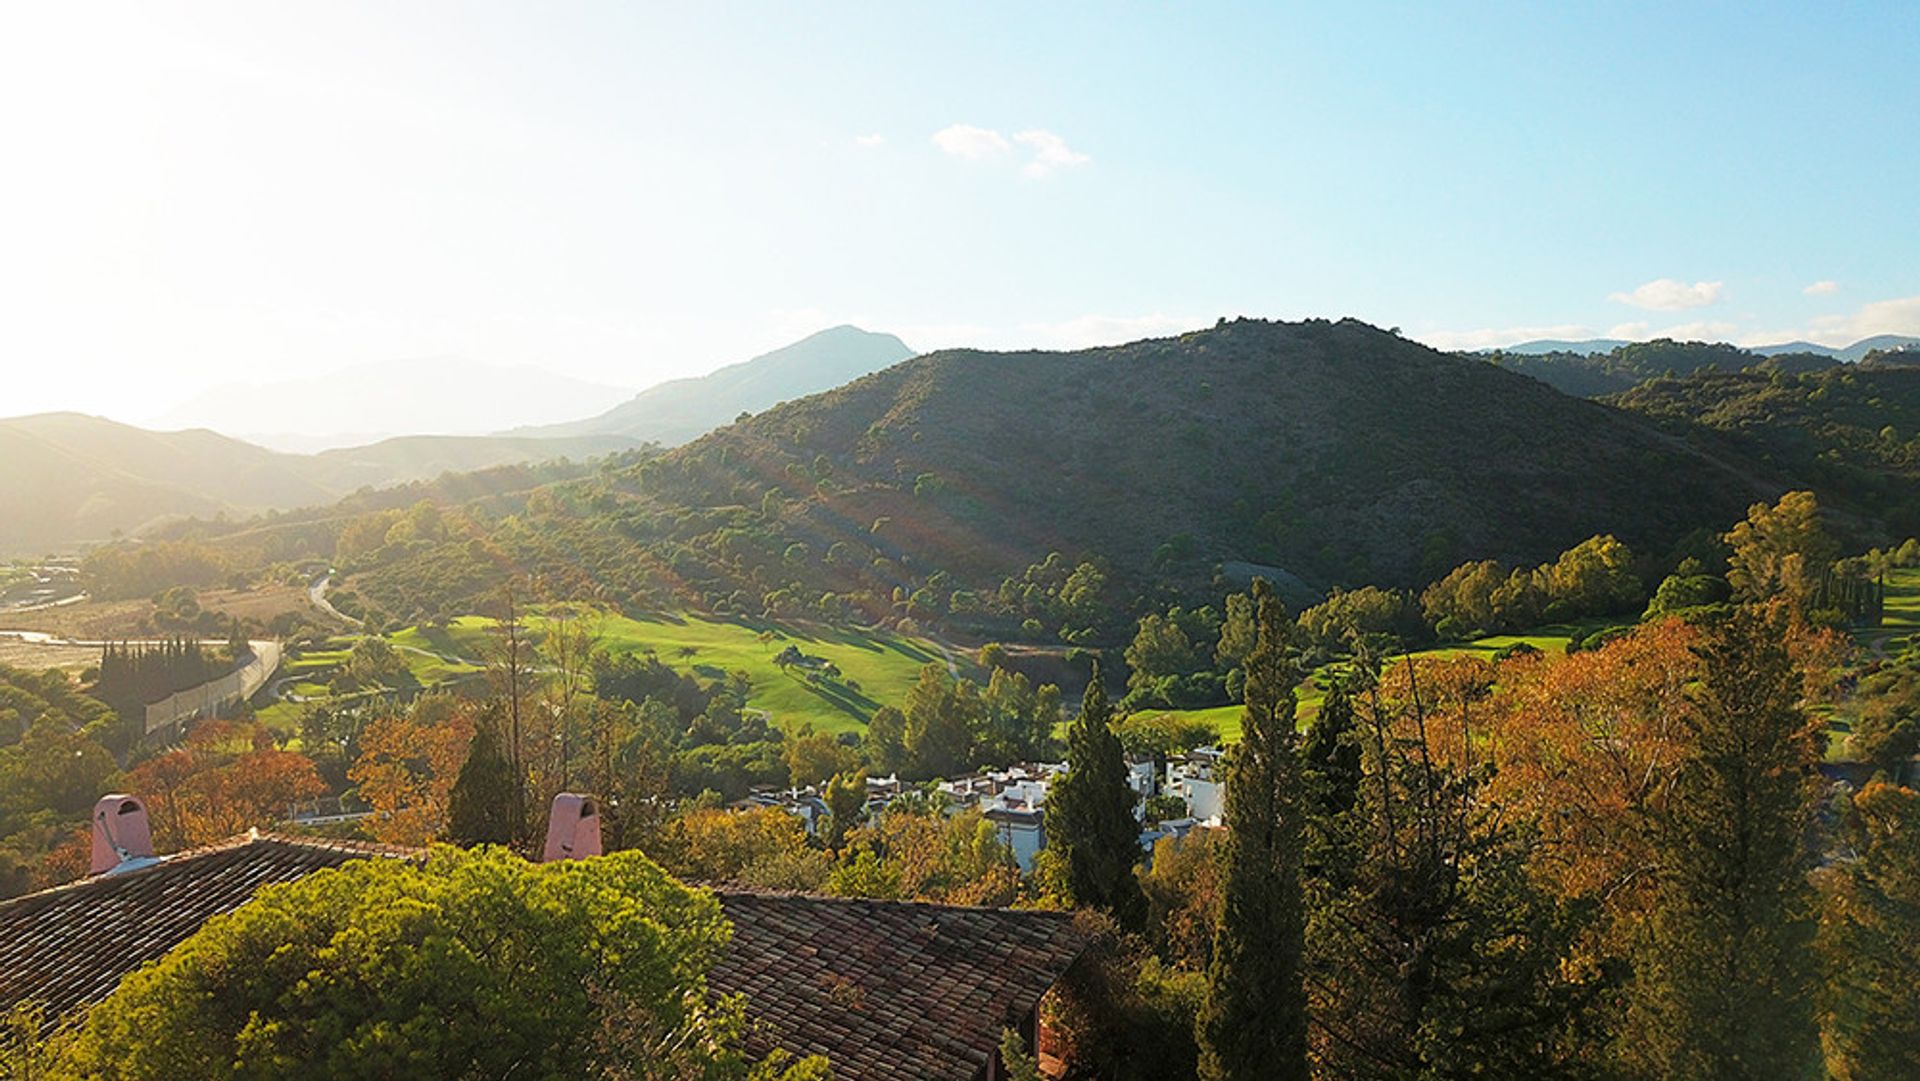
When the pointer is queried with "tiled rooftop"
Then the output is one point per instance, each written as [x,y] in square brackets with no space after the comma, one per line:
[889,989]
[68,946]
[884,989]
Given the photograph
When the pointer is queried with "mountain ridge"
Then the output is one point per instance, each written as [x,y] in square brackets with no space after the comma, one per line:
[680,410]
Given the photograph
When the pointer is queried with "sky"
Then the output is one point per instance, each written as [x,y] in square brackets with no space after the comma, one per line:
[201,194]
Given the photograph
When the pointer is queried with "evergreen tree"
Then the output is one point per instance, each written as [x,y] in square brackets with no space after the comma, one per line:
[1870,941]
[1723,986]
[1254,1023]
[1330,754]
[846,799]
[1090,814]
[481,803]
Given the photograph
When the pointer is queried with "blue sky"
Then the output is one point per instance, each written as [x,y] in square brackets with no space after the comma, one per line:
[627,193]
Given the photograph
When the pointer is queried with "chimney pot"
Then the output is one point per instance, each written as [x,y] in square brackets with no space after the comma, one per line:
[573,829]
[120,832]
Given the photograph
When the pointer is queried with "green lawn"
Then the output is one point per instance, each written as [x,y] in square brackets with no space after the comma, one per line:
[882,666]
[1902,612]
[1549,639]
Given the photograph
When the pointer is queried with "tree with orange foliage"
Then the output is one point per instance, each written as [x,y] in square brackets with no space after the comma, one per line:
[225,778]
[1586,746]
[407,767]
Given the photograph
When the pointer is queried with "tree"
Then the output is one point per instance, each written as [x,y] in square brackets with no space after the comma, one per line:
[1435,954]
[475,964]
[812,757]
[846,799]
[1090,814]
[1780,551]
[938,723]
[1870,942]
[407,767]
[373,662]
[480,804]
[886,740]
[1722,985]
[223,779]
[1254,1024]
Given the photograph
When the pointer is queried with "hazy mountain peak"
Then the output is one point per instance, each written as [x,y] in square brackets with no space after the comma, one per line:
[371,400]
[683,409]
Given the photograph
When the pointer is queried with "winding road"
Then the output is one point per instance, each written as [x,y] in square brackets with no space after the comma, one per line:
[317,593]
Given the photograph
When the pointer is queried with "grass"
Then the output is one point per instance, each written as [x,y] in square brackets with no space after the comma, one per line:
[881,666]
[1551,639]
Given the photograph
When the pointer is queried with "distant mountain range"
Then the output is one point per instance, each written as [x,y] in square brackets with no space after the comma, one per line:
[1849,354]
[367,402]
[66,478]
[684,409]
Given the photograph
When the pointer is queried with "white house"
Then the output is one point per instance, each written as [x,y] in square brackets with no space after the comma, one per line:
[1199,778]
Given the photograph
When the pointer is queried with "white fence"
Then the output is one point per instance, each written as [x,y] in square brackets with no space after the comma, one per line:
[209,697]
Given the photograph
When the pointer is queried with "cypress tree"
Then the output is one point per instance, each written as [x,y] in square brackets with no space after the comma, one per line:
[1090,814]
[1254,1022]
[481,803]
[1723,982]
[1330,755]
[1870,942]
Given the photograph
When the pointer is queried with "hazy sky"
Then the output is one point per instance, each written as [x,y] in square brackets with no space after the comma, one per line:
[198,194]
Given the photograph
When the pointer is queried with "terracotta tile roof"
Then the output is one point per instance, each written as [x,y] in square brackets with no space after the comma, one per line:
[884,989]
[889,989]
[67,947]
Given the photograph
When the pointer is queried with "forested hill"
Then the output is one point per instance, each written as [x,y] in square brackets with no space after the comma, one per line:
[1336,450]
[1852,432]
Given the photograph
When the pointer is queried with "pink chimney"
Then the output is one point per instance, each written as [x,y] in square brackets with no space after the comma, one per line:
[120,832]
[573,830]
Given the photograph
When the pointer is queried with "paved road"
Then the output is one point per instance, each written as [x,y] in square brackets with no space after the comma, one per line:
[317,593]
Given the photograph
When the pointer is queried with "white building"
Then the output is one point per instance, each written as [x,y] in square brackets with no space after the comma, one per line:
[1199,777]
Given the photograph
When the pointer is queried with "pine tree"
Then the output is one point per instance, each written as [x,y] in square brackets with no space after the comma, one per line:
[1090,814]
[1870,941]
[1254,1022]
[1722,985]
[480,806]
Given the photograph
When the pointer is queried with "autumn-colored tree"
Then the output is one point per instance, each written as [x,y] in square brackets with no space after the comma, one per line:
[225,778]
[407,767]
[1437,956]
[1586,748]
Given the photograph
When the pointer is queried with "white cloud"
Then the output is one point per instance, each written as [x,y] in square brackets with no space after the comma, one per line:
[1823,288]
[1050,152]
[1498,337]
[876,139]
[1897,316]
[1668,295]
[967,141]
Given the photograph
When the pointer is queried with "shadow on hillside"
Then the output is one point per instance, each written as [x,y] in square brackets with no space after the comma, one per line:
[841,698]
